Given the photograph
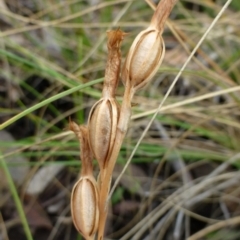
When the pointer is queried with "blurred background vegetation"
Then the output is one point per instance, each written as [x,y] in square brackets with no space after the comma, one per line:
[184,176]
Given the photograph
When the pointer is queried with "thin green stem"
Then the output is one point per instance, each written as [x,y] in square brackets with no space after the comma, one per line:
[16,198]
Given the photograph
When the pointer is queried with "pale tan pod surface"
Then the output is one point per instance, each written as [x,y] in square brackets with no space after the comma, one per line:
[144,58]
[100,129]
[84,206]
[102,125]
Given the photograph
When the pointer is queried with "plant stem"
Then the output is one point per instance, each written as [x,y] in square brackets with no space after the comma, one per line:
[161,14]
[106,177]
[158,20]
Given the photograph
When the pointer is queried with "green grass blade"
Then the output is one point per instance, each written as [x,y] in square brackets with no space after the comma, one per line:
[16,199]
[47,101]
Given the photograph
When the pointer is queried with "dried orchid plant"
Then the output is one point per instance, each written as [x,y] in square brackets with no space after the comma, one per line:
[108,121]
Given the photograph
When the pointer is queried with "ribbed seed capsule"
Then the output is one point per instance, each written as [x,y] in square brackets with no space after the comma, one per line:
[144,58]
[103,117]
[85,206]
[102,127]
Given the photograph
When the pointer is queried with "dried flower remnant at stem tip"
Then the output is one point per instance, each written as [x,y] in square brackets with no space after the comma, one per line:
[115,38]
[86,155]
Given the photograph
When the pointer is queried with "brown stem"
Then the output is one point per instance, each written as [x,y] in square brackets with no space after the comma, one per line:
[161,14]
[106,177]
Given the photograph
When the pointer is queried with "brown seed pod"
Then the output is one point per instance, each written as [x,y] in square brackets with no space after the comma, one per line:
[144,58]
[103,117]
[102,127]
[85,206]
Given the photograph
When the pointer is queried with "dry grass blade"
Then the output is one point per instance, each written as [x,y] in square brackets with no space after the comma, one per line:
[214,227]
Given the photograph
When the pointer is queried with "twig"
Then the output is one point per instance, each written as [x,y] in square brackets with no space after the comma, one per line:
[214,227]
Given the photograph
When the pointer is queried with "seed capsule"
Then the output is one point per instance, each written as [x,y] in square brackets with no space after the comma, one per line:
[85,206]
[144,58]
[102,127]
